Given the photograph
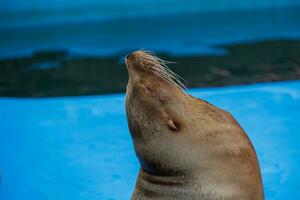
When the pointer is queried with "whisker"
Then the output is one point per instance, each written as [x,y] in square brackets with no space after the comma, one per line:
[159,67]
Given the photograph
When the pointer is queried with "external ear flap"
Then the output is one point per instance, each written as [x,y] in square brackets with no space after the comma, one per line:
[172,125]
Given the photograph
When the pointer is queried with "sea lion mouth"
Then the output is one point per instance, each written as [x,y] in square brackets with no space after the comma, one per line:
[149,62]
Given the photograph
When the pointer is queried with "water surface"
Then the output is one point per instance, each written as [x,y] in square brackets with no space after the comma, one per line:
[79,147]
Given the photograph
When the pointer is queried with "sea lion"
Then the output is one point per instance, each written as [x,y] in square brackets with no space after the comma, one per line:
[188,149]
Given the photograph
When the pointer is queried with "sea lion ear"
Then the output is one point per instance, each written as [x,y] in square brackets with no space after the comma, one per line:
[172,125]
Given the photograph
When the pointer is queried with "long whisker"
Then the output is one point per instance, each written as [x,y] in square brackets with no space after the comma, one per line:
[159,67]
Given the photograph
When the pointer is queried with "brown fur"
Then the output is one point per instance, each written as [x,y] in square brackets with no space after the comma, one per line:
[188,148]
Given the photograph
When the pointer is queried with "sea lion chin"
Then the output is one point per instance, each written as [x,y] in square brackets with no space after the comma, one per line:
[187,148]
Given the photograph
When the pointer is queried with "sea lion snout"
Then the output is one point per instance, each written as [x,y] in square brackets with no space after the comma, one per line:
[142,63]
[129,56]
[133,64]
[134,55]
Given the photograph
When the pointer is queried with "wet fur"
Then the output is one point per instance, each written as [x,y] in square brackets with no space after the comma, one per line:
[206,156]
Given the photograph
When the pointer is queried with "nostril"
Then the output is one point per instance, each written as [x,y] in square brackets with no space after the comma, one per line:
[129,56]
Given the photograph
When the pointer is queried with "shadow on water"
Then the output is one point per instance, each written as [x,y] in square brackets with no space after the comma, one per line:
[62,74]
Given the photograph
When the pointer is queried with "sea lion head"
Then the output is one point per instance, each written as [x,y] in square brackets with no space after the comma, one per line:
[155,113]
[183,141]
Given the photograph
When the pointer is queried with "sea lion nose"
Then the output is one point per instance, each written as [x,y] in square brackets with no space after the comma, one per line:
[128,56]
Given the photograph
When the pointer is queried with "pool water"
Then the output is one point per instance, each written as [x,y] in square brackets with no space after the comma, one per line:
[79,148]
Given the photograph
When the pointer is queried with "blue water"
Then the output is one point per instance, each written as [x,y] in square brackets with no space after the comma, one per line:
[182,33]
[79,148]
